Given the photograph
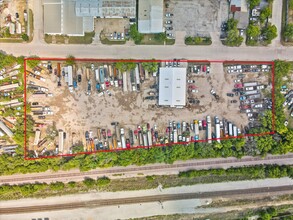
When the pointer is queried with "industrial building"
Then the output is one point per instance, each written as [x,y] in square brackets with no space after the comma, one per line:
[150,16]
[172,86]
[75,17]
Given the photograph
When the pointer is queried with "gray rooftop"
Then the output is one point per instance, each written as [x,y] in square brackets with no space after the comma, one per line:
[243,19]
[150,16]
[172,86]
[52,16]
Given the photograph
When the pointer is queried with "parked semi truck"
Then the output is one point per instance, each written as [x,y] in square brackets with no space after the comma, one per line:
[196,130]
[250,84]
[150,138]
[217,129]
[70,78]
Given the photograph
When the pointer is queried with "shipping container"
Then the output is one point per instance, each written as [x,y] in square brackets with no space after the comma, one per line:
[37,137]
[124,82]
[61,141]
[235,131]
[101,71]
[230,128]
[97,75]
[70,78]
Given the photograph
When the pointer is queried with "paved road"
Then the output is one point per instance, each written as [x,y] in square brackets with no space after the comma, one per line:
[213,52]
[154,169]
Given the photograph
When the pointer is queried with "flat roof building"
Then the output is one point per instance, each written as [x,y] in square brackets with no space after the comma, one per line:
[172,86]
[74,17]
[150,16]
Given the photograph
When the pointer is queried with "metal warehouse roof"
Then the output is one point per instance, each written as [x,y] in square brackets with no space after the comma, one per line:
[150,16]
[72,25]
[89,8]
[52,16]
[172,86]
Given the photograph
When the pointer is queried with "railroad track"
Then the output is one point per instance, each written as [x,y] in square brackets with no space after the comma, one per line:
[180,166]
[146,199]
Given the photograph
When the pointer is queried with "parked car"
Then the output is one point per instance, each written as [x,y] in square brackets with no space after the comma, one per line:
[238,85]
[168,22]
[230,94]
[169,28]
[79,78]
[169,15]
[233,101]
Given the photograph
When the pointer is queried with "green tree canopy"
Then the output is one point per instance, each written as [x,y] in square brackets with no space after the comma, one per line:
[232,24]
[125,66]
[253,31]
[288,31]
[33,61]
[265,13]
[150,66]
[270,32]
[135,35]
[253,3]
[70,60]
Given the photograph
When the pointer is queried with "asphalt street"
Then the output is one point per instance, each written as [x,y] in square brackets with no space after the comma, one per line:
[214,52]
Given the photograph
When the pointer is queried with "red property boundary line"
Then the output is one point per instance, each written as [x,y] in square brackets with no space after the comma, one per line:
[150,60]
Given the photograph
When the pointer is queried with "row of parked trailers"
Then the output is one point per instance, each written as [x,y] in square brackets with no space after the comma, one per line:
[108,75]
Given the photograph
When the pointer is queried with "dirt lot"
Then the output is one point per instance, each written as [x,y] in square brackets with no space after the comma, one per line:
[108,26]
[11,7]
[78,112]
[198,17]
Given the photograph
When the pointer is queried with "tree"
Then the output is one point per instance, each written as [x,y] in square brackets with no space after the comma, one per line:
[288,31]
[232,24]
[33,61]
[265,13]
[233,38]
[253,30]
[188,40]
[197,40]
[270,32]
[25,37]
[150,66]
[253,3]
[70,60]
[135,35]
[103,181]
[57,186]
[125,66]
[291,4]
[89,182]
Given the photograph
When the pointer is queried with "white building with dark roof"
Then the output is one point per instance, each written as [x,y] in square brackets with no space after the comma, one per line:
[172,86]
[150,16]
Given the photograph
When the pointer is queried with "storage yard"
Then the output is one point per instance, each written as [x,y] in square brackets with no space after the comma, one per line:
[11,106]
[92,106]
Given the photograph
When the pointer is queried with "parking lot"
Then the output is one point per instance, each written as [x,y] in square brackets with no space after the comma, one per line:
[107,27]
[196,17]
[91,113]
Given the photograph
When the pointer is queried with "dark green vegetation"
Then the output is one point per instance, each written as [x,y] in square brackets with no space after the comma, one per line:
[198,41]
[233,38]
[125,66]
[253,3]
[150,66]
[53,189]
[135,35]
[70,60]
[191,177]
[287,24]
[149,39]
